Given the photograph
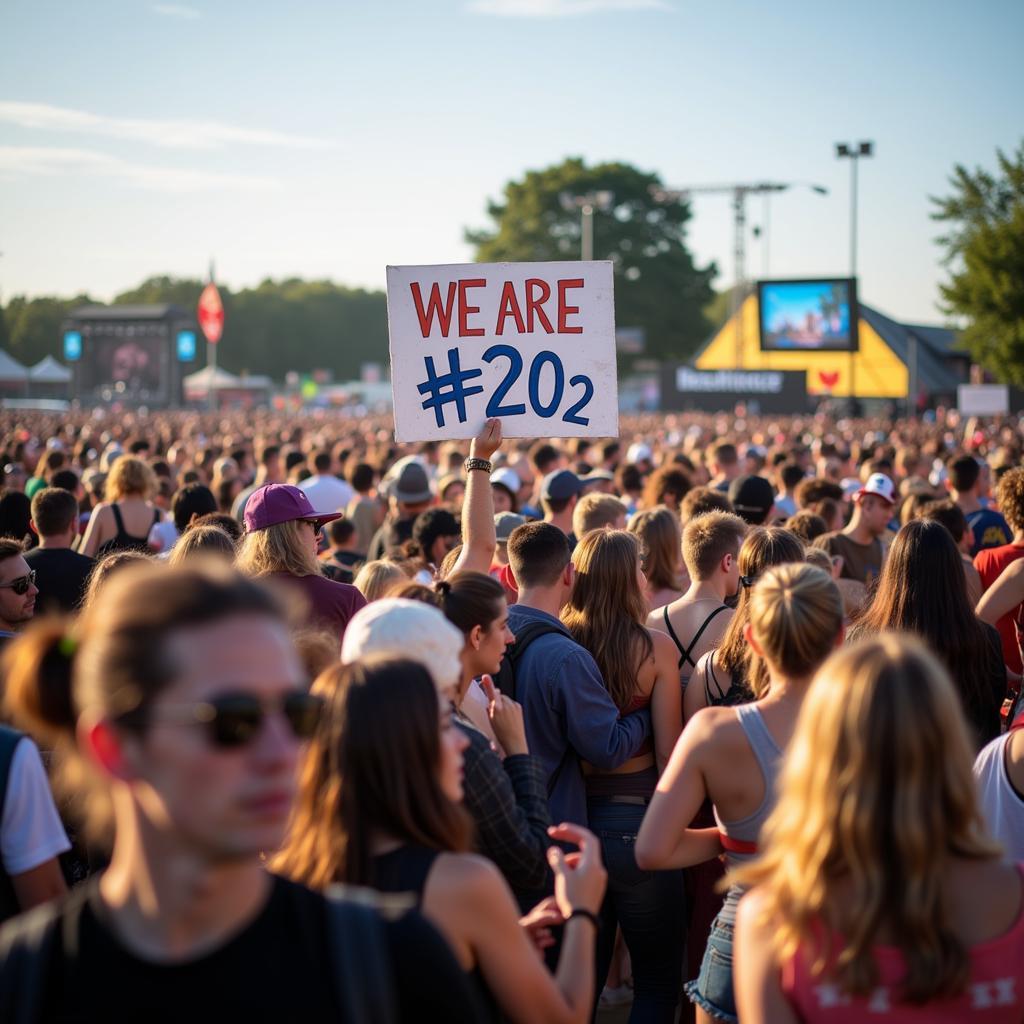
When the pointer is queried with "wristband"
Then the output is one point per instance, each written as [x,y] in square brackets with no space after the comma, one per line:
[587,915]
[482,464]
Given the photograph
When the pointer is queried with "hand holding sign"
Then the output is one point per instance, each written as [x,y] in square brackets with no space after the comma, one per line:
[531,343]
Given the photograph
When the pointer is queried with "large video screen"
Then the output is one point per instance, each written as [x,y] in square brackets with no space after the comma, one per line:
[808,316]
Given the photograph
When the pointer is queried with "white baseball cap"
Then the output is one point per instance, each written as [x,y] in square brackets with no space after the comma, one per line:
[407,629]
[881,486]
[507,478]
[639,452]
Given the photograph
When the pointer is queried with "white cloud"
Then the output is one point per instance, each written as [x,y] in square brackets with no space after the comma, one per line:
[171,134]
[561,8]
[25,161]
[177,11]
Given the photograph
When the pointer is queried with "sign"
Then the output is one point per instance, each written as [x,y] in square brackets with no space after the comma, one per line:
[186,346]
[211,313]
[983,399]
[72,346]
[530,343]
[773,391]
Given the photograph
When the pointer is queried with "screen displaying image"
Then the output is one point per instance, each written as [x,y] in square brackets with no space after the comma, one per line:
[808,316]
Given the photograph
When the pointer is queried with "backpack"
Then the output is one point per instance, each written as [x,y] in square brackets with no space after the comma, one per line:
[505,678]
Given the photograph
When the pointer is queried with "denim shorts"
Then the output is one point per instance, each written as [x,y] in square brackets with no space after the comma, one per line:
[713,991]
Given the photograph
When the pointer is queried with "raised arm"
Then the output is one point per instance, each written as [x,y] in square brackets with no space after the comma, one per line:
[664,840]
[1004,595]
[478,538]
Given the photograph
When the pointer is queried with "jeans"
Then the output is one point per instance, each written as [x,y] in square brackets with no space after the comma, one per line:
[648,906]
[713,991]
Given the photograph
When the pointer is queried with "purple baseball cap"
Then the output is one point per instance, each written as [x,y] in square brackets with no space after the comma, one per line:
[281,503]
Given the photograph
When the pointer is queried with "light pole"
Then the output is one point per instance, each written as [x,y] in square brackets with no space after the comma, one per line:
[586,204]
[853,152]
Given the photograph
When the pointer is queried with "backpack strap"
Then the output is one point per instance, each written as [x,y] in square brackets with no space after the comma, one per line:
[359,951]
[524,637]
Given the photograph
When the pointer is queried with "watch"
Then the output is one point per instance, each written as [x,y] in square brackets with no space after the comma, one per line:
[481,464]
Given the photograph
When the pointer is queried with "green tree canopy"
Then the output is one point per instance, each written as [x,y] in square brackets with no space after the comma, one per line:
[273,328]
[657,285]
[984,247]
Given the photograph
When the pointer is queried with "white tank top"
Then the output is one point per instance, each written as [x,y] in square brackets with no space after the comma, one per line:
[1001,805]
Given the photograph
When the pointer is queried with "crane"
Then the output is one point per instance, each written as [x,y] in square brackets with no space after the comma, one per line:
[739,193]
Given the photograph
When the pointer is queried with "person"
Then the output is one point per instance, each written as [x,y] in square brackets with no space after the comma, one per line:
[435,533]
[342,555]
[729,674]
[597,511]
[325,491]
[860,908]
[567,709]
[859,543]
[703,499]
[559,492]
[407,487]
[658,532]
[18,590]
[203,542]
[124,519]
[282,542]
[505,486]
[964,480]
[789,475]
[923,591]
[992,562]
[375,579]
[666,487]
[753,499]
[15,516]
[365,509]
[952,518]
[267,472]
[725,465]
[605,615]
[504,796]
[698,620]
[179,700]
[999,774]
[732,756]
[379,806]
[61,573]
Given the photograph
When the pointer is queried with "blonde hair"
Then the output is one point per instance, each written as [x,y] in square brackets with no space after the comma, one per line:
[707,539]
[606,610]
[130,477]
[596,511]
[375,579]
[203,542]
[660,536]
[876,791]
[283,547]
[796,613]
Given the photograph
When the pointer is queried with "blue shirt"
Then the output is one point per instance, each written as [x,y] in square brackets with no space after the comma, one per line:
[569,716]
[990,530]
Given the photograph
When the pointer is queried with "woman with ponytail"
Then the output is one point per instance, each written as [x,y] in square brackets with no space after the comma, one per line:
[732,755]
[178,707]
[878,893]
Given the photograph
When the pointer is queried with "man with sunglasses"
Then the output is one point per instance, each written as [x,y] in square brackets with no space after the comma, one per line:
[18,590]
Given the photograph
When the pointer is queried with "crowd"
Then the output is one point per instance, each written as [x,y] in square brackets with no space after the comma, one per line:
[717,719]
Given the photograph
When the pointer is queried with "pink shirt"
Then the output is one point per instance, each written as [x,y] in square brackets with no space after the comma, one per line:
[994,993]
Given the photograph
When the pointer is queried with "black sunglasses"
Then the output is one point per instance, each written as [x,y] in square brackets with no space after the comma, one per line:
[236,718]
[22,583]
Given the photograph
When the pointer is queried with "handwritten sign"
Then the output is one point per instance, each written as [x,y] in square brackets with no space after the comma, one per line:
[530,343]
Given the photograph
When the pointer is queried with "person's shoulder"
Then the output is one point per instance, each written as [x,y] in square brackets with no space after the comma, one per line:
[711,723]
[467,877]
[664,647]
[826,541]
[990,757]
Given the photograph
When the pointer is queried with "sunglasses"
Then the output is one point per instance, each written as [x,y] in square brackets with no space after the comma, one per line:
[21,584]
[236,718]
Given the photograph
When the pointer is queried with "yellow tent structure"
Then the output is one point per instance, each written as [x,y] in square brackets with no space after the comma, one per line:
[876,370]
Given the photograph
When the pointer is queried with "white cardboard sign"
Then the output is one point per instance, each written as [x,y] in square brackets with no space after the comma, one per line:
[983,399]
[530,343]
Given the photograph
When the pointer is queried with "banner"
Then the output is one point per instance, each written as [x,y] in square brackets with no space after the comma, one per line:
[530,343]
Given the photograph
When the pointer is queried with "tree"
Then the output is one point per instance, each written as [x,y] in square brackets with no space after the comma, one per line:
[657,285]
[985,253]
[35,326]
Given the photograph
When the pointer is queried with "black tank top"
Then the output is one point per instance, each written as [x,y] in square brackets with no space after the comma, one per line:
[123,540]
[406,870]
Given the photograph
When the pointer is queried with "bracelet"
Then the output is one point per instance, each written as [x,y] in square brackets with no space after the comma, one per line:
[587,915]
[482,464]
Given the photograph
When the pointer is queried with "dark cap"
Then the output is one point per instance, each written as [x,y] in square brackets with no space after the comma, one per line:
[281,503]
[410,484]
[752,497]
[561,484]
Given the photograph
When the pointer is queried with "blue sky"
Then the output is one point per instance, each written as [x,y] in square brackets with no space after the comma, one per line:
[328,139]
